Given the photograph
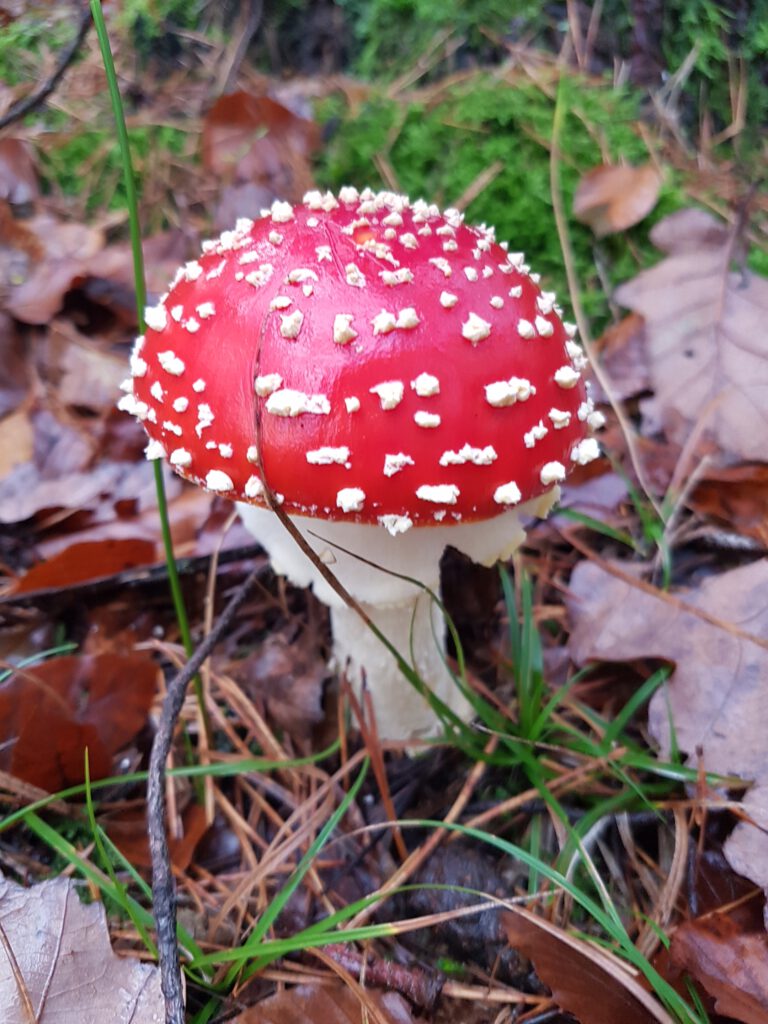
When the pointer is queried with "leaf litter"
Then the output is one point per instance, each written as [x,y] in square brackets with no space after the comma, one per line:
[74,477]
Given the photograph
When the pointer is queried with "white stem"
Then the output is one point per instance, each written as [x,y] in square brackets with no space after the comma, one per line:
[401,711]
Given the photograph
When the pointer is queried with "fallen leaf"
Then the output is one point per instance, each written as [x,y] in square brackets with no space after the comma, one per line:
[66,965]
[716,699]
[613,198]
[624,358]
[18,173]
[732,966]
[575,971]
[14,364]
[705,334]
[63,254]
[323,1004]
[87,560]
[287,674]
[737,496]
[16,441]
[257,140]
[128,831]
[50,713]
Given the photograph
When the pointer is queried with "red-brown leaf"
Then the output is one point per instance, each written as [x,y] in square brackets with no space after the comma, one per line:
[732,966]
[51,712]
[576,972]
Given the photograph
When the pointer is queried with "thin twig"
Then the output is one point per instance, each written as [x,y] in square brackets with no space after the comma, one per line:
[41,94]
[163,889]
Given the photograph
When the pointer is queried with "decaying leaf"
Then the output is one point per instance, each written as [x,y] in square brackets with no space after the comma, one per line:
[67,971]
[705,335]
[732,966]
[254,139]
[321,1004]
[576,971]
[613,198]
[50,713]
[717,698]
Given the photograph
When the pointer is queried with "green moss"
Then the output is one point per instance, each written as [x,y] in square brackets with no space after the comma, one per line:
[90,156]
[441,149]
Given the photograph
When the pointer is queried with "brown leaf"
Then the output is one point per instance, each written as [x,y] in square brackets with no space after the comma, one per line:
[716,699]
[52,712]
[66,966]
[732,966]
[613,198]
[576,971]
[63,253]
[705,334]
[737,496]
[287,674]
[323,1004]
[625,359]
[18,172]
[87,560]
[254,139]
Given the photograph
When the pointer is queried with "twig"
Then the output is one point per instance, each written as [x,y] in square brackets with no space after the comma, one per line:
[238,47]
[163,889]
[40,95]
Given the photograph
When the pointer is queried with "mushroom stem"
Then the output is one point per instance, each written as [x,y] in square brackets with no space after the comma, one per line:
[416,630]
[386,574]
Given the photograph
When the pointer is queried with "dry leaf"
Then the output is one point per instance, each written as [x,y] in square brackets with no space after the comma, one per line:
[611,199]
[737,496]
[624,358]
[68,970]
[16,441]
[62,254]
[732,966]
[325,1004]
[705,335]
[716,697]
[18,172]
[575,971]
[50,713]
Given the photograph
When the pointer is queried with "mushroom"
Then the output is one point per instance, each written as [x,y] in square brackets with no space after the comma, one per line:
[403,383]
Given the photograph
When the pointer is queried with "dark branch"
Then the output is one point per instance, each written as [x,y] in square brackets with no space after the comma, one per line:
[163,888]
[40,95]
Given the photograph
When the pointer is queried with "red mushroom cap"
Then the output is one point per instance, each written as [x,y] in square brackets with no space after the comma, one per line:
[403,367]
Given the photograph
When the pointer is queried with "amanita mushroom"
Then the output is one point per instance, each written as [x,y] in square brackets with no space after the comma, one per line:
[408,386]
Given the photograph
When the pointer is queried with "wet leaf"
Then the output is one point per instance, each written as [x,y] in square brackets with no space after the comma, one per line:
[575,971]
[613,198]
[732,966]
[50,713]
[705,335]
[87,560]
[254,139]
[68,972]
[716,700]
[321,1004]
